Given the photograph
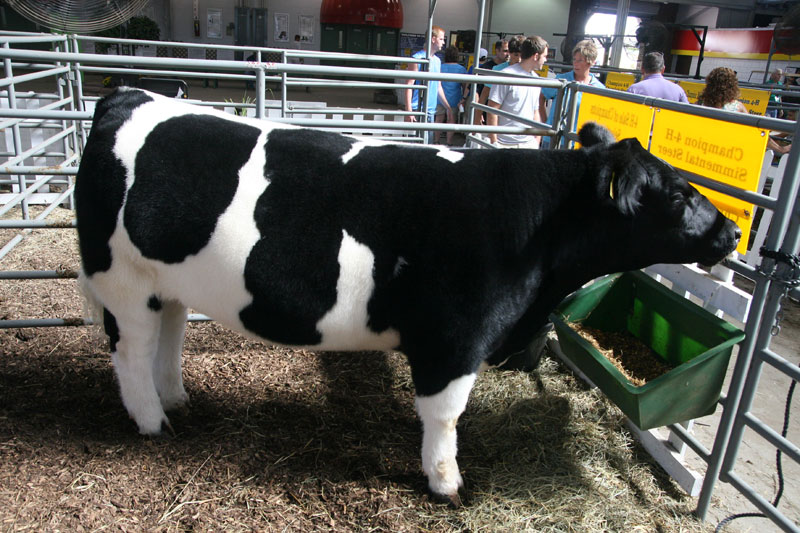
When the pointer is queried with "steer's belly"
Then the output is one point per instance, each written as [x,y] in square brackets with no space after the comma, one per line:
[215,282]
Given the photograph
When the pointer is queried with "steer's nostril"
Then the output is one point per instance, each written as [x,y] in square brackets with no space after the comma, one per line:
[738,232]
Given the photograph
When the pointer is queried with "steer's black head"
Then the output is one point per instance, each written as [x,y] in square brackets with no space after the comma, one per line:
[667,219]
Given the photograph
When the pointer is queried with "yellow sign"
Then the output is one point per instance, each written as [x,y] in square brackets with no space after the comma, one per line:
[623,119]
[543,72]
[619,80]
[693,89]
[725,152]
[754,100]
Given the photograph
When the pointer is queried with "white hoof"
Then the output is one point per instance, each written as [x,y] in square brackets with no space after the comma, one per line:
[445,481]
[173,401]
[154,426]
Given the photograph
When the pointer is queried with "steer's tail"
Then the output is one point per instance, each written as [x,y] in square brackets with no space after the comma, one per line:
[92,306]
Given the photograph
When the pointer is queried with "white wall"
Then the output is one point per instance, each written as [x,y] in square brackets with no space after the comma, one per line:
[540,17]
[294,8]
[182,21]
[450,15]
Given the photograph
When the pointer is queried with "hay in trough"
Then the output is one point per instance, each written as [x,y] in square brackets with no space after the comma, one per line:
[285,440]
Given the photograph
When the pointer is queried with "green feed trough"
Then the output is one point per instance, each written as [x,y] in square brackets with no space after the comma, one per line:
[693,341]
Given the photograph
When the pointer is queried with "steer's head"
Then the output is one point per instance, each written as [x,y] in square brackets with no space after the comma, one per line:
[669,220]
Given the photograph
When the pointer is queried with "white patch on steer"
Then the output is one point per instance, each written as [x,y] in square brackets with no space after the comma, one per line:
[439,414]
[360,145]
[354,151]
[450,155]
[131,135]
[345,326]
[212,281]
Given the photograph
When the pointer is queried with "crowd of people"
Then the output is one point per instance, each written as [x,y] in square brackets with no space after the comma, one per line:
[523,56]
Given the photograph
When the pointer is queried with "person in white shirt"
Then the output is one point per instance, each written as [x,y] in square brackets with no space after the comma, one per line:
[522,101]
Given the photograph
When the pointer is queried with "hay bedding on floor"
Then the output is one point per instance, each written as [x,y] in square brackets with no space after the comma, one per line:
[283,440]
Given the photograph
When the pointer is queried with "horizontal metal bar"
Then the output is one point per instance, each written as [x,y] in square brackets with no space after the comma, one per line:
[778,362]
[4,82]
[538,126]
[47,114]
[729,190]
[37,224]
[58,170]
[397,125]
[174,73]
[34,151]
[71,322]
[45,323]
[61,273]
[42,38]
[29,191]
[269,67]
[345,111]
[696,446]
[480,141]
[691,109]
[760,502]
[772,436]
[355,85]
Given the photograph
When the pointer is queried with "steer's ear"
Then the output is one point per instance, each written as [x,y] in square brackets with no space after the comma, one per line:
[624,175]
[593,133]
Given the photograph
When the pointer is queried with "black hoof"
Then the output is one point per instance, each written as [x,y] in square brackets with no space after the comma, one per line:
[454,501]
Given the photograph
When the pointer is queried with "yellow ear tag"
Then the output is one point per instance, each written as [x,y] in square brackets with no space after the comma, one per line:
[611,185]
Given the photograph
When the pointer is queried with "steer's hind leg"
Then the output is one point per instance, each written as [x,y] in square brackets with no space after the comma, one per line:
[133,354]
[167,363]
[439,413]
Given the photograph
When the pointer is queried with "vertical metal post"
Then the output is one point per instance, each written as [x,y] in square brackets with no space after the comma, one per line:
[61,81]
[284,89]
[261,89]
[12,104]
[478,37]
[77,81]
[424,95]
[623,8]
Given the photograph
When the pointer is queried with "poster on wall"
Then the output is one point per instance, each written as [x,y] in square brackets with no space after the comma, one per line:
[281,27]
[306,28]
[214,23]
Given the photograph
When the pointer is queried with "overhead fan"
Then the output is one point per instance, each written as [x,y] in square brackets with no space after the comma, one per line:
[78,16]
[567,45]
[787,33]
[654,36]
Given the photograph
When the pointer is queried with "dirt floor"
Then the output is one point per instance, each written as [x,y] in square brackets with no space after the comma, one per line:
[282,440]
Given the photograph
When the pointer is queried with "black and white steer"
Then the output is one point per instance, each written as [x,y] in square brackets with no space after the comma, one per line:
[313,239]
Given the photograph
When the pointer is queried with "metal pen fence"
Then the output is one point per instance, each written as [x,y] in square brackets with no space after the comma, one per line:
[45,133]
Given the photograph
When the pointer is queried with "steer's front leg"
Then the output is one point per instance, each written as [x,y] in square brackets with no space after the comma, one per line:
[439,413]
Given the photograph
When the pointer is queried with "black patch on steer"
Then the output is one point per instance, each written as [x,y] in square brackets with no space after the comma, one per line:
[154,304]
[111,329]
[293,269]
[184,183]
[100,185]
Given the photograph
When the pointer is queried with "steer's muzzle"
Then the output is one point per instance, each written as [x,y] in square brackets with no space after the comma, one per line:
[725,235]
